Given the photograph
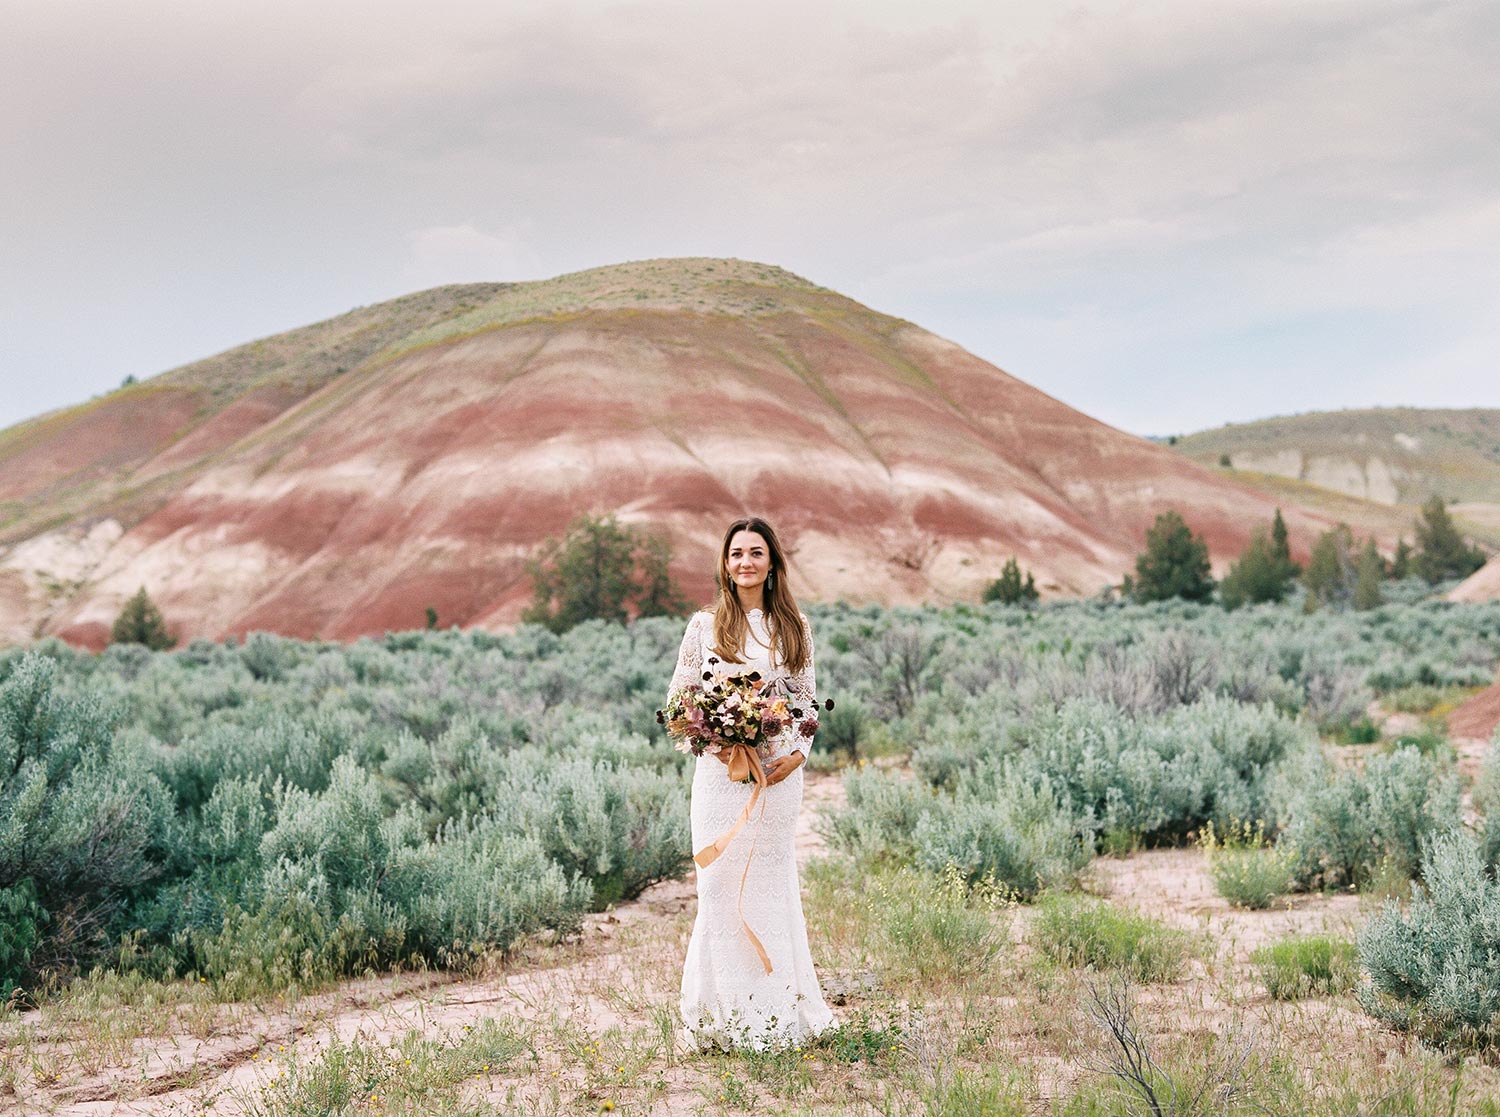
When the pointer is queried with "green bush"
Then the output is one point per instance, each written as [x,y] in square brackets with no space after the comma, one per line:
[1441,551]
[1308,966]
[481,887]
[21,923]
[1018,837]
[1161,778]
[1487,803]
[1092,933]
[1346,828]
[1263,572]
[1247,869]
[880,816]
[1174,563]
[140,622]
[936,925]
[843,729]
[1433,966]
[620,828]
[84,825]
[1010,588]
[141,786]
[603,570]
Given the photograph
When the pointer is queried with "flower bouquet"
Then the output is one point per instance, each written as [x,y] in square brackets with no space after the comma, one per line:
[722,712]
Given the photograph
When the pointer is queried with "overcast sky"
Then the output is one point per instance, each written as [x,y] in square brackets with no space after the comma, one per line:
[1168,213]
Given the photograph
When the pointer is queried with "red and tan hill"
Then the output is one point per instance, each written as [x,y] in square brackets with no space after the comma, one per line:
[340,479]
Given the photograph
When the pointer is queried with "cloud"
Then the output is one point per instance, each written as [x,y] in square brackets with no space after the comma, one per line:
[1087,194]
[461,253]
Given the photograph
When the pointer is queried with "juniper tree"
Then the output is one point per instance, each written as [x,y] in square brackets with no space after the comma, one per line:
[1281,548]
[1174,563]
[1442,552]
[1401,562]
[1329,576]
[1010,588]
[601,570]
[140,622]
[1369,572]
[1254,577]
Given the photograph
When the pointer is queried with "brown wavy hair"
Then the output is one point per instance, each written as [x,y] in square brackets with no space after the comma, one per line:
[783,621]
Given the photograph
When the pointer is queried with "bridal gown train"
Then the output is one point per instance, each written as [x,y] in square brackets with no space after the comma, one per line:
[728,999]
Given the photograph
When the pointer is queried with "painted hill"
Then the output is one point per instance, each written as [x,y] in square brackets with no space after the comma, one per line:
[339,479]
[1482,585]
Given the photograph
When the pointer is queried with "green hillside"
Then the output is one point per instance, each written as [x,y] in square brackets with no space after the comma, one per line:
[1397,455]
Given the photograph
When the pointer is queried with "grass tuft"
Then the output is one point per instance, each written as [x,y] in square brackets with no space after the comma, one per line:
[1079,932]
[1307,966]
[1246,868]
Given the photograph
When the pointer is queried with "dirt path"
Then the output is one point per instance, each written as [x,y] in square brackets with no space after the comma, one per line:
[623,968]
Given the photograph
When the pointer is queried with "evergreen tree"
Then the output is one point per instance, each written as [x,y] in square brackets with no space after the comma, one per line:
[1010,588]
[1256,576]
[1441,550]
[601,569]
[658,597]
[1264,572]
[1281,547]
[1401,564]
[1174,563]
[1329,576]
[140,622]
[1369,572]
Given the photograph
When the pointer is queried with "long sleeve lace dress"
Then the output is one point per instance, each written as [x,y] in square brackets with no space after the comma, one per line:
[728,999]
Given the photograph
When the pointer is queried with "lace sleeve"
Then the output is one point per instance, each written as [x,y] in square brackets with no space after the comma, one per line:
[689,657]
[802,689]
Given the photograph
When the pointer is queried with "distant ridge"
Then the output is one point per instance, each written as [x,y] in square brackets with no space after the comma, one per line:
[1393,455]
[340,479]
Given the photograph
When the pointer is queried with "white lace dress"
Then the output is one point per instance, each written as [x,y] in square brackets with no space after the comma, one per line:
[728,999]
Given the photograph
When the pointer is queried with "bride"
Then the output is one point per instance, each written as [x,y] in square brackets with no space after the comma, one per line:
[748,979]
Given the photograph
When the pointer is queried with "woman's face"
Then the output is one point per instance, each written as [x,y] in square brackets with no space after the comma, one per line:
[749,559]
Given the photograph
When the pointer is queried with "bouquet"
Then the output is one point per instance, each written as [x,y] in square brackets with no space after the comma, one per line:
[724,711]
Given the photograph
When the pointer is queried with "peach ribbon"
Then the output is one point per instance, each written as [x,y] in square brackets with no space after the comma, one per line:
[744,763]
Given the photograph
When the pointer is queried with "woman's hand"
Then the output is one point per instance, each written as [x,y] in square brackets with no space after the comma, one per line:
[782,767]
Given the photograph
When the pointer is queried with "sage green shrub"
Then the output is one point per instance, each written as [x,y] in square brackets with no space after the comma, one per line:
[1161,778]
[84,827]
[880,816]
[1487,802]
[1344,828]
[211,783]
[1432,966]
[1022,839]
[620,828]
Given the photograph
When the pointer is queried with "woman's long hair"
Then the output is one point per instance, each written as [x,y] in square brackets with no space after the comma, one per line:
[783,621]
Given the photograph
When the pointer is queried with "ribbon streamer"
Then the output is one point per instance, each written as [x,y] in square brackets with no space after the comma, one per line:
[744,763]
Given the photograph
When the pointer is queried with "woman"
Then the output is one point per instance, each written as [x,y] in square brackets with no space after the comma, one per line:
[728,996]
